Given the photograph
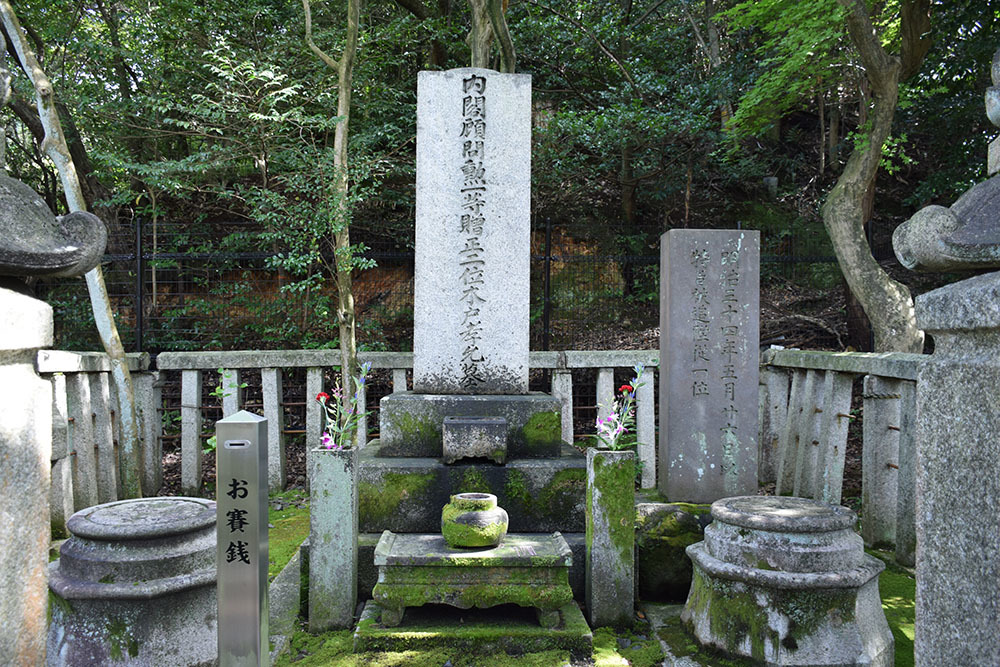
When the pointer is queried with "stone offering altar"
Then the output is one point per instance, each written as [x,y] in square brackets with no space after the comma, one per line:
[786,581]
[526,570]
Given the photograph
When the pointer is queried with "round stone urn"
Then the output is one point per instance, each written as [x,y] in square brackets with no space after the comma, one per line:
[786,581]
[135,585]
[473,520]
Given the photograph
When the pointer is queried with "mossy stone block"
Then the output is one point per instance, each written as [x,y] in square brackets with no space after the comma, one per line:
[410,424]
[406,494]
[662,532]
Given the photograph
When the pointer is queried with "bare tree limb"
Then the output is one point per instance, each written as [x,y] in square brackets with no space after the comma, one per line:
[330,62]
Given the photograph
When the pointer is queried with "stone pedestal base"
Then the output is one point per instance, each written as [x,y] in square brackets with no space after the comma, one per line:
[411,424]
[785,581]
[136,585]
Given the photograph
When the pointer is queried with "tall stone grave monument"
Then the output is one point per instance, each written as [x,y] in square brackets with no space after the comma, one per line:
[958,424]
[471,284]
[709,355]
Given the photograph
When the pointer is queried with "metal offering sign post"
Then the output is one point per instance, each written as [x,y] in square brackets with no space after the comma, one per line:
[241,483]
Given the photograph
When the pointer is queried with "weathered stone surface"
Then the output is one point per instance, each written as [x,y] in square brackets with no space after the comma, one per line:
[333,538]
[135,585]
[610,537]
[709,321]
[285,598]
[471,281]
[368,574]
[525,570]
[782,533]
[662,533]
[958,476]
[785,581]
[962,236]
[25,468]
[25,322]
[474,437]
[34,242]
[410,423]
[407,494]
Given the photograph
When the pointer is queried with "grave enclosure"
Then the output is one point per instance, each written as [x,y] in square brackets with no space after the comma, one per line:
[469,424]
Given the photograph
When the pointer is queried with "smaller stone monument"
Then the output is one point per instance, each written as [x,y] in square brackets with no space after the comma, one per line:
[786,581]
[709,322]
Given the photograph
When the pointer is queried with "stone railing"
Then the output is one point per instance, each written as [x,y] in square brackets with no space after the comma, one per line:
[86,430]
[805,412]
[805,408]
[271,363]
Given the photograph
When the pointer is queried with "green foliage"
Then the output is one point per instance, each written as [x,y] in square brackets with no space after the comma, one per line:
[801,51]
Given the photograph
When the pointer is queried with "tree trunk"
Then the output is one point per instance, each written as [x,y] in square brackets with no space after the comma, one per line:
[887,303]
[480,37]
[342,235]
[57,150]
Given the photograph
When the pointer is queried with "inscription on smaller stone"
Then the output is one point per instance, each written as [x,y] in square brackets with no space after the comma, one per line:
[709,310]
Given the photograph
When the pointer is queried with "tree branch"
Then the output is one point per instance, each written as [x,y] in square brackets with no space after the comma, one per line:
[415,7]
[604,49]
[330,62]
[915,26]
[881,67]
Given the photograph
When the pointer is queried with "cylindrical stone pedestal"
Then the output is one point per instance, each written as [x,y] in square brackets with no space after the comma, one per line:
[785,581]
[135,585]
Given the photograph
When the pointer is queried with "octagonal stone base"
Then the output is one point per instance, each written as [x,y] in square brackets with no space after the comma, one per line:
[785,581]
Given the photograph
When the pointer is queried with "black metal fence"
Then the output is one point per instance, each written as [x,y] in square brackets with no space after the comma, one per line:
[188,287]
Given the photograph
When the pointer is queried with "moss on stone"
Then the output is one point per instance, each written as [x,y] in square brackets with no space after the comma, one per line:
[736,613]
[663,570]
[57,602]
[615,483]
[516,489]
[562,494]
[459,534]
[120,641]
[542,431]
[473,481]
[419,431]
[378,501]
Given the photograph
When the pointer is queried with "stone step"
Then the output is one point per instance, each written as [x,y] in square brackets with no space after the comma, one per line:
[479,632]
[406,495]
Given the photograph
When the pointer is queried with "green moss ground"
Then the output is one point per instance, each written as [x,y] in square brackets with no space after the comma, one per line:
[289,526]
[636,647]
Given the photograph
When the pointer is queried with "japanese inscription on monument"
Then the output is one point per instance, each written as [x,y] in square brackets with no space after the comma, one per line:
[709,321]
[471,283]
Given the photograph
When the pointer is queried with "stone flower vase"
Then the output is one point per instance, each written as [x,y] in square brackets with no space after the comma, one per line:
[473,520]
[333,538]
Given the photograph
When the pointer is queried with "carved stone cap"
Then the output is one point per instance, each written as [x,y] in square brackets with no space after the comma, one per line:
[34,242]
[965,235]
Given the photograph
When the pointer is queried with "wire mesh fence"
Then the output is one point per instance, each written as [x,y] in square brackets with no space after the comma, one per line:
[179,286]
